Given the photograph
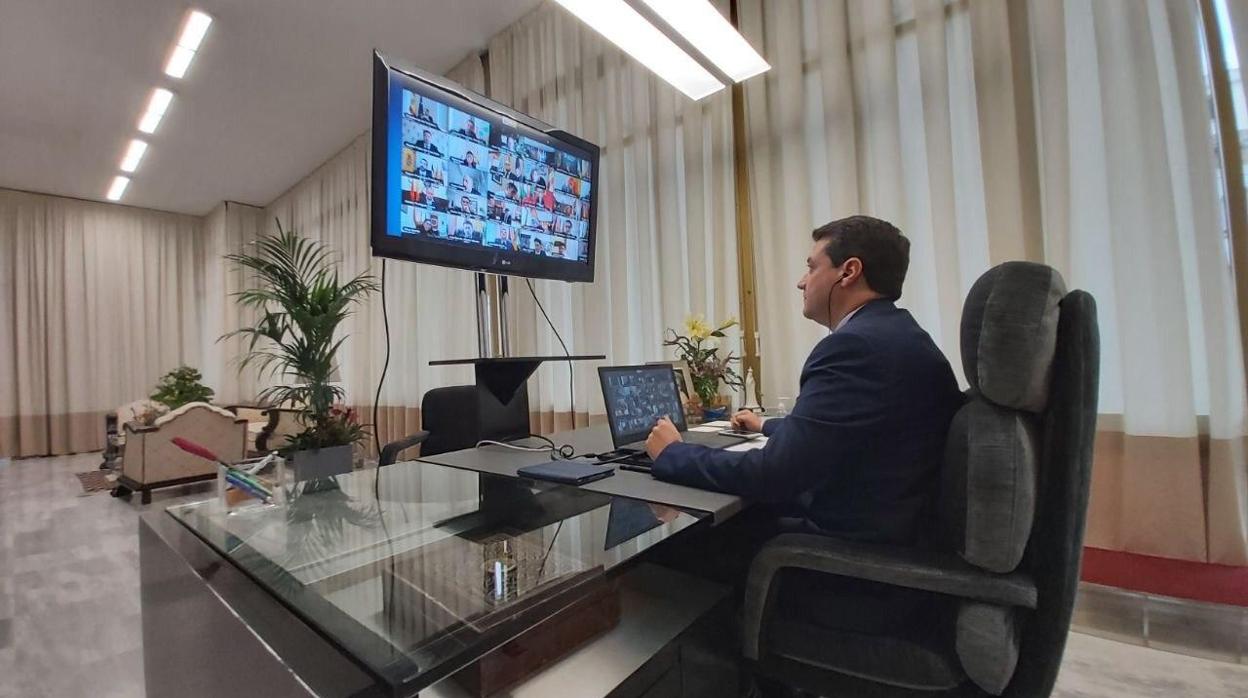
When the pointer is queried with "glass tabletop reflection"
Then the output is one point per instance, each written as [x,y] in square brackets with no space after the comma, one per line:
[418,569]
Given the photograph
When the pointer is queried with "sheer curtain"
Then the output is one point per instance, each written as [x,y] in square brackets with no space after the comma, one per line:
[1075,133]
[666,225]
[97,301]
[427,306]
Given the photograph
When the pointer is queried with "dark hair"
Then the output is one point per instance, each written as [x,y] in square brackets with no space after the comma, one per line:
[884,251]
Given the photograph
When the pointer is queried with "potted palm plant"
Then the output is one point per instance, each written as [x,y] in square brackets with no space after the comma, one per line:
[301,301]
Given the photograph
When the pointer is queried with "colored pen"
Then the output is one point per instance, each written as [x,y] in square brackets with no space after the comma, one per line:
[247,487]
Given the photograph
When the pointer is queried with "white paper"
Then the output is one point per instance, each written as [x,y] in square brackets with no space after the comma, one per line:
[705,428]
[749,445]
[721,424]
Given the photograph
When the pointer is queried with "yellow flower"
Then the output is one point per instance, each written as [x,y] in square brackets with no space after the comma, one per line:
[730,322]
[697,327]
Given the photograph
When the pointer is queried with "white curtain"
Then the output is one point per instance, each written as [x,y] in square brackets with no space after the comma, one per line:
[97,301]
[666,225]
[429,308]
[1076,133]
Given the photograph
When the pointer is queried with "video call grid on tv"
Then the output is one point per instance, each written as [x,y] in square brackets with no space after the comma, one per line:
[640,398]
[466,180]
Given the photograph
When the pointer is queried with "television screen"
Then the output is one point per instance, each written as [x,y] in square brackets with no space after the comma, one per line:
[462,181]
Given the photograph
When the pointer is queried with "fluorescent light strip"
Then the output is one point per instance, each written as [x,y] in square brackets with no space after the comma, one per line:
[179,61]
[119,187]
[709,32]
[193,30]
[156,107]
[134,154]
[624,27]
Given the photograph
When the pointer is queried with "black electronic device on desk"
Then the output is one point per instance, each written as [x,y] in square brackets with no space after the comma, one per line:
[638,396]
[567,472]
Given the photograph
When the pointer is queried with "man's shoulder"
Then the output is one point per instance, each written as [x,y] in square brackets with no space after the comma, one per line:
[884,331]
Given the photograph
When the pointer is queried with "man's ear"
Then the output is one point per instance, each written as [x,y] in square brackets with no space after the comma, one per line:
[851,270]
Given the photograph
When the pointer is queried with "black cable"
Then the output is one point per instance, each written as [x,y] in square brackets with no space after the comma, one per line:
[571,377]
[557,452]
[385,367]
[542,569]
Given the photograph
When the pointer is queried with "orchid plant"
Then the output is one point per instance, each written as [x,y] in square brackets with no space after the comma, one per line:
[699,348]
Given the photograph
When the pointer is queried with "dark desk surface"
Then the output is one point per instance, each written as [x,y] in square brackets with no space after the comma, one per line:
[439,568]
[506,462]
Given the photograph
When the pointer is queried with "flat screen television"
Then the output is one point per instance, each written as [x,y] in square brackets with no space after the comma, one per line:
[462,181]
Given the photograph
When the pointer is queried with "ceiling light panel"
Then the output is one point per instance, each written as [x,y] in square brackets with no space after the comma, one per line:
[633,34]
[179,61]
[116,191]
[134,154]
[193,30]
[711,33]
[156,106]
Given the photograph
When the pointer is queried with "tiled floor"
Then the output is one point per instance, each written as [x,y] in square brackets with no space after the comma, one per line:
[70,623]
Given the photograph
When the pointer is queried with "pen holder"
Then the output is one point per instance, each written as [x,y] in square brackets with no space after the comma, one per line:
[252,483]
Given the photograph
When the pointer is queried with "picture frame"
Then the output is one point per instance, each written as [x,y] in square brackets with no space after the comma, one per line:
[681,371]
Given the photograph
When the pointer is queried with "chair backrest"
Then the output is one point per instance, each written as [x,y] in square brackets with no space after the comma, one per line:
[459,416]
[1055,551]
[450,415]
[1014,488]
[1009,337]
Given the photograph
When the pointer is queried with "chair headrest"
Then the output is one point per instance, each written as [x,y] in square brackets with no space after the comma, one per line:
[1009,332]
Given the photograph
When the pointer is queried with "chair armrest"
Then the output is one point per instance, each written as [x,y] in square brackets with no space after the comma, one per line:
[927,570]
[391,451]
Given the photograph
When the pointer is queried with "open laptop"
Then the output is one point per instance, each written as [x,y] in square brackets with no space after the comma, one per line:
[636,397]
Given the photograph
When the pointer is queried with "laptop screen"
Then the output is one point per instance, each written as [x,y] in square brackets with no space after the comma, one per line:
[636,397]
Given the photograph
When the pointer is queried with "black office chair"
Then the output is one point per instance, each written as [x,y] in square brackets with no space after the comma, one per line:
[450,416]
[997,590]
[457,417]
[390,452]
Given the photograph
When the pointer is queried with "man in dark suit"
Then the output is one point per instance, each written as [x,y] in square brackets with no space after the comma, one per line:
[426,143]
[858,456]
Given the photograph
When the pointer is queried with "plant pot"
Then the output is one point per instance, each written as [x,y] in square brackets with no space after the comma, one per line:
[716,410]
[318,463]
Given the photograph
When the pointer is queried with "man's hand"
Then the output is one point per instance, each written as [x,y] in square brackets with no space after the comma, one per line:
[745,420]
[661,436]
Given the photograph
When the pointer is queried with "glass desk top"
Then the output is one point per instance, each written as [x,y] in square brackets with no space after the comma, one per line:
[426,568]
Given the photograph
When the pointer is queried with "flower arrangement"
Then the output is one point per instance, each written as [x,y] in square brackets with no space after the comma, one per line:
[337,427]
[699,348]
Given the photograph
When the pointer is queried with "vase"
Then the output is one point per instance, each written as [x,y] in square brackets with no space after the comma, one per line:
[317,463]
[717,410]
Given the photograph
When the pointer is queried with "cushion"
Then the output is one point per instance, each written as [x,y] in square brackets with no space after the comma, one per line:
[987,645]
[902,637]
[1009,331]
[988,489]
